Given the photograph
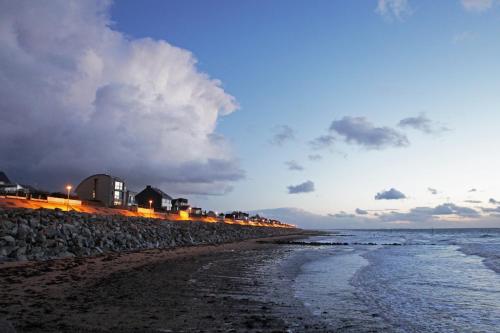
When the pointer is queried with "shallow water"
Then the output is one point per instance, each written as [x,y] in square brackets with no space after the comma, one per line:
[437,281]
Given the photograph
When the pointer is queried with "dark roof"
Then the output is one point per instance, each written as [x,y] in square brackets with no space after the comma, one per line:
[160,192]
[100,174]
[4,178]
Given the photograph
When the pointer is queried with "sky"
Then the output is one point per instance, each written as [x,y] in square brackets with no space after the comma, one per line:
[328,114]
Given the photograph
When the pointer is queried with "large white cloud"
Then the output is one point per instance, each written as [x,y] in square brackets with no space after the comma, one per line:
[78,97]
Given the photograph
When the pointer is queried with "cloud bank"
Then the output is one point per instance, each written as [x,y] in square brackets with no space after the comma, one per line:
[305,187]
[445,215]
[77,97]
[358,130]
[429,214]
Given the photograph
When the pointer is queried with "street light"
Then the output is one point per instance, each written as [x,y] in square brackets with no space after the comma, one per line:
[68,187]
[150,203]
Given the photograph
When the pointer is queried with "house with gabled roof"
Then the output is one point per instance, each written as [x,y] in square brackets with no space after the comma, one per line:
[159,199]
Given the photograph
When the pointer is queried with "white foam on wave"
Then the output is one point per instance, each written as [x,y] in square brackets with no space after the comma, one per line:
[489,252]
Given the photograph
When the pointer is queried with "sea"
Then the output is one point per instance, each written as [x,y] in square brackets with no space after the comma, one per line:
[445,280]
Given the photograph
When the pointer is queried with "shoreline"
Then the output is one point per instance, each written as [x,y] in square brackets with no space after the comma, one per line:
[197,288]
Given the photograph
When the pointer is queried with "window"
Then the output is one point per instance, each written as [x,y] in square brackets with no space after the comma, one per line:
[118,185]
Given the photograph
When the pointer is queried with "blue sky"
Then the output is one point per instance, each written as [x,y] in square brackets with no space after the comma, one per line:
[403,93]
[305,64]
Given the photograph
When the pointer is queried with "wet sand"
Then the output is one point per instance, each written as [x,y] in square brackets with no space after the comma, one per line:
[238,287]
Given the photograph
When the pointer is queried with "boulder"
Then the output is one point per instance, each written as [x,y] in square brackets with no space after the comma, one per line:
[7,241]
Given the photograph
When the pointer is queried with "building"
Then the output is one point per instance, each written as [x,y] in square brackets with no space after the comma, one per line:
[180,204]
[108,190]
[196,211]
[131,198]
[159,199]
[237,216]
[9,187]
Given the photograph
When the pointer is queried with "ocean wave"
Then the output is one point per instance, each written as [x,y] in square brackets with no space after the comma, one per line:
[489,252]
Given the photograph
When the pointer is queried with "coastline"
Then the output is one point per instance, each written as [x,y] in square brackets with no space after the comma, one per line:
[235,287]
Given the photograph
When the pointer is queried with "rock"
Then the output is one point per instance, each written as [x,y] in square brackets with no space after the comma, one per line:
[69,229]
[6,225]
[40,238]
[51,232]
[6,327]
[7,241]
[23,231]
[56,234]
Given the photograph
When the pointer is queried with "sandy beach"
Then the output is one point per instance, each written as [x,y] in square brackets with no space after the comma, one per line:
[226,288]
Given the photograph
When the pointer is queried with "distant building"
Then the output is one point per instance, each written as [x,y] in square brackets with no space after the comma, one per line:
[106,189]
[131,198]
[195,211]
[237,216]
[9,187]
[160,200]
[180,204]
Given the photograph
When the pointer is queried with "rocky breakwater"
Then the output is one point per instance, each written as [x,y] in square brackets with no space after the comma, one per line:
[48,234]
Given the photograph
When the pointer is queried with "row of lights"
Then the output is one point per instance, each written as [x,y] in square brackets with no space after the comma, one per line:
[69,187]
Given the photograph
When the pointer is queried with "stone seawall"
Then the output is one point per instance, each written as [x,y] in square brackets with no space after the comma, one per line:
[47,234]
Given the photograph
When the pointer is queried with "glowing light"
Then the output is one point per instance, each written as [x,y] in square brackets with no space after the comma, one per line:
[183,215]
[68,187]
[60,203]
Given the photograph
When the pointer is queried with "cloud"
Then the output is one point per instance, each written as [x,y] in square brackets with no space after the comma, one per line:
[393,9]
[418,217]
[314,157]
[491,210]
[293,165]
[472,190]
[342,215]
[360,211]
[360,131]
[282,135]
[304,187]
[391,194]
[321,142]
[477,5]
[473,201]
[451,208]
[432,190]
[463,37]
[78,97]
[305,219]
[423,124]
[494,202]
[427,214]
